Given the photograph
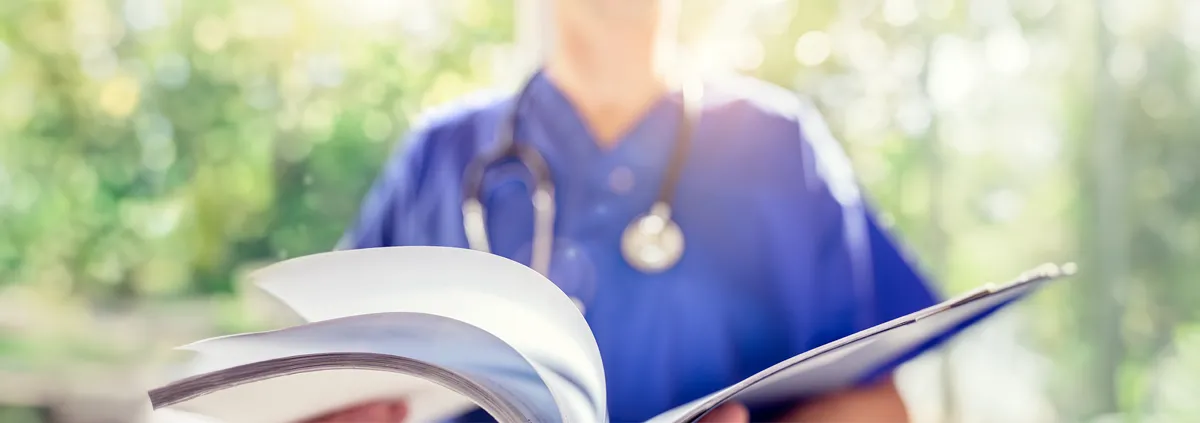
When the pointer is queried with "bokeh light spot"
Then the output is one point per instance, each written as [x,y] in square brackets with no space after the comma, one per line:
[172,71]
[210,34]
[812,48]
[5,57]
[899,13]
[377,126]
[1127,64]
[119,96]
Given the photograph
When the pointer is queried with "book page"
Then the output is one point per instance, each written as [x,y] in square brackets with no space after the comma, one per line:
[849,363]
[842,364]
[448,344]
[493,293]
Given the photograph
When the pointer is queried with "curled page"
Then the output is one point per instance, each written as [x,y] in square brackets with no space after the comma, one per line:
[493,293]
[323,366]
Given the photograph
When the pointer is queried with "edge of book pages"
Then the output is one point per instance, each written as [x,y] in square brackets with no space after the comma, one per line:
[491,301]
[204,384]
[561,357]
[332,363]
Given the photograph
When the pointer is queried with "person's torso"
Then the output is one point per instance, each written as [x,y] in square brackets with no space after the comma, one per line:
[747,291]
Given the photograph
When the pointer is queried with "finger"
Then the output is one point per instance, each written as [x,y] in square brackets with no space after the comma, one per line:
[364,413]
[399,411]
[728,413]
[334,417]
[375,413]
[379,412]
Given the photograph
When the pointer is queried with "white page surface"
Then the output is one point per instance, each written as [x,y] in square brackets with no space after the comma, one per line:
[493,293]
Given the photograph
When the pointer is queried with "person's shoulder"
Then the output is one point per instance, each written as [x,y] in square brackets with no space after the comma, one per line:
[440,136]
[789,121]
[756,103]
[764,102]
[454,128]
[463,114]
[752,97]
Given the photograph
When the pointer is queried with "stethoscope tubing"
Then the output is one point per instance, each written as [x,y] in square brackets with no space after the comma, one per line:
[542,198]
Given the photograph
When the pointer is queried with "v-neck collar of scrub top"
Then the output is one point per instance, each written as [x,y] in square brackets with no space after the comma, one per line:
[598,190]
[551,122]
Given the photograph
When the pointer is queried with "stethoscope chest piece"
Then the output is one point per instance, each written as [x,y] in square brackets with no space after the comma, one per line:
[653,242]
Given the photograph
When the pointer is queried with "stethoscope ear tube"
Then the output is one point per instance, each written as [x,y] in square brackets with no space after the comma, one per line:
[475,214]
[543,216]
[476,229]
[544,211]
[692,90]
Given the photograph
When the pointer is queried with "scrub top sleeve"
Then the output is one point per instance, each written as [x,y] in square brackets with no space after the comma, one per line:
[856,248]
[900,288]
[859,242]
[386,202]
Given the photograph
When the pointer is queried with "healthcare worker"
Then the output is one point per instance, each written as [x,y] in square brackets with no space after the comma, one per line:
[707,231]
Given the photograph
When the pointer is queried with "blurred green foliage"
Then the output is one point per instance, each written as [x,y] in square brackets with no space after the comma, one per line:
[19,415]
[152,150]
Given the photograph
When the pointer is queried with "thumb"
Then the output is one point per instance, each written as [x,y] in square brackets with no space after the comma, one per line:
[728,413]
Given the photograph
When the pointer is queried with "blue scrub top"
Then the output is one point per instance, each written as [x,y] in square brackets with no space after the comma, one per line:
[782,253]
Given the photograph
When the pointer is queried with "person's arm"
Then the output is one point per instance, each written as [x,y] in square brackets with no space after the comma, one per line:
[898,290]
[878,402]
[856,249]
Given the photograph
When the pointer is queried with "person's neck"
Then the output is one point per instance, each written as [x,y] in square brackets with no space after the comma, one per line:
[611,79]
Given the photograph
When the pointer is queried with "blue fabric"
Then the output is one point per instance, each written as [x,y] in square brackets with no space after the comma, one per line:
[783,255]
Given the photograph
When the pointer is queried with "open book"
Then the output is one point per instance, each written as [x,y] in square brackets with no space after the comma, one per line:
[453,329]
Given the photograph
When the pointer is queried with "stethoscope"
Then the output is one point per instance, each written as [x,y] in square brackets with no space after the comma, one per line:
[651,243]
